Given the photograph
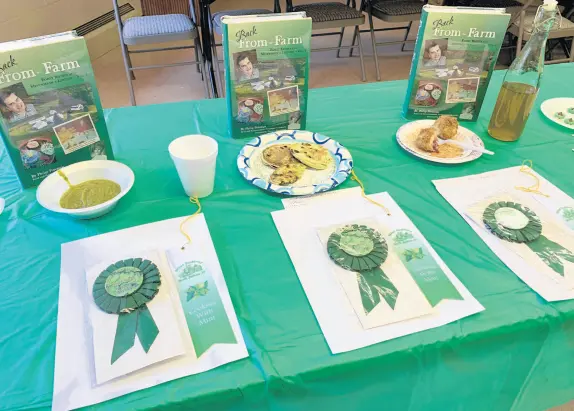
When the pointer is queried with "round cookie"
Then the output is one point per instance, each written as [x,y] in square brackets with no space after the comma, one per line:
[312,155]
[277,155]
[287,174]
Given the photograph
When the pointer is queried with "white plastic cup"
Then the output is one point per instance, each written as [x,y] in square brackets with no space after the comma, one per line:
[194,157]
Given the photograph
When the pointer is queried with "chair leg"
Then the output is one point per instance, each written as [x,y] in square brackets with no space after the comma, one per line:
[129,73]
[572,51]
[196,56]
[371,27]
[209,79]
[406,35]
[215,61]
[340,41]
[353,43]
[201,66]
[361,57]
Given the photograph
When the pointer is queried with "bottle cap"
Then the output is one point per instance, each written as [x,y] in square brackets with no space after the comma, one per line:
[550,4]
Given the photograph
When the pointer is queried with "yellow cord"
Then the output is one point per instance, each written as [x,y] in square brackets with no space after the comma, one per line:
[526,168]
[193,200]
[354,177]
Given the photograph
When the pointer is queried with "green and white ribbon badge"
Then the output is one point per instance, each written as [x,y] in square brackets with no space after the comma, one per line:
[424,269]
[567,215]
[363,250]
[204,311]
[124,288]
[517,223]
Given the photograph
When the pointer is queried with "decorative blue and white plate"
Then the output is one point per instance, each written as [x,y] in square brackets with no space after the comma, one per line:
[313,181]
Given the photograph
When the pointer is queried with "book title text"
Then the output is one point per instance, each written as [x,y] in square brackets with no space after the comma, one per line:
[48,67]
[441,28]
[243,40]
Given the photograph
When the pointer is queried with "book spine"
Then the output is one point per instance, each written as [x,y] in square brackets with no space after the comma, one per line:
[414,63]
[229,91]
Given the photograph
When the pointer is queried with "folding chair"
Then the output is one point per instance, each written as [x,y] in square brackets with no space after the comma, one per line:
[562,29]
[216,26]
[334,15]
[137,31]
[391,11]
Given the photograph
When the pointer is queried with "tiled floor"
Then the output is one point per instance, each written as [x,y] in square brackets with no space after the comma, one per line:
[184,83]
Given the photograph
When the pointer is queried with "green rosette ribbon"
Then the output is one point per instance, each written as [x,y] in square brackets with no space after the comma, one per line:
[124,288]
[363,250]
[517,223]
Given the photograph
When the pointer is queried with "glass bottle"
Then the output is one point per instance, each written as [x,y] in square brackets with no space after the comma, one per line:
[521,82]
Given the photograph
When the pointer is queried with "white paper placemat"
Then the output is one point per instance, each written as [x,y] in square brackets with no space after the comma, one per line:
[74,375]
[335,314]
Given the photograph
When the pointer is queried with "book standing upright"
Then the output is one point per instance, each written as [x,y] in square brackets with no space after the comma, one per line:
[50,111]
[266,72]
[454,56]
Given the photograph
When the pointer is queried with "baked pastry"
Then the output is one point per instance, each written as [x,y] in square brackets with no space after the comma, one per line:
[277,155]
[447,127]
[427,139]
[312,155]
[287,174]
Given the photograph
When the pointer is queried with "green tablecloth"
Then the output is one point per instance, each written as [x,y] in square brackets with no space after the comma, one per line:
[516,355]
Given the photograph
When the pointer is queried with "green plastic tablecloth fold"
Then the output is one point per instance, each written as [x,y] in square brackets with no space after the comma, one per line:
[516,355]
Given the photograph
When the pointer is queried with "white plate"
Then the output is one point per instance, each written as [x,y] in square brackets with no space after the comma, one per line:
[313,181]
[554,105]
[464,135]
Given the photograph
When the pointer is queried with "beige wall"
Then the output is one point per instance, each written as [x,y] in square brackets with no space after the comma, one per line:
[28,18]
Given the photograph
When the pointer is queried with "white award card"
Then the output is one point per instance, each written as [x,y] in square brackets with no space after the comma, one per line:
[409,301]
[167,344]
[464,192]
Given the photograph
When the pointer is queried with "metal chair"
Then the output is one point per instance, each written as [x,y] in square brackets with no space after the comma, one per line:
[334,15]
[137,31]
[391,11]
[562,29]
[216,27]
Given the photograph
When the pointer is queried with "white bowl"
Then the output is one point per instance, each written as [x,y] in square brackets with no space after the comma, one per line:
[53,187]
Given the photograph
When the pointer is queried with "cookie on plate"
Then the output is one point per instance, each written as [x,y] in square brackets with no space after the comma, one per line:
[447,127]
[312,155]
[277,155]
[427,140]
[287,174]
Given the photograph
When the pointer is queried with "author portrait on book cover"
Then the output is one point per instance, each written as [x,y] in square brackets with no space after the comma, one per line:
[14,108]
[246,65]
[435,53]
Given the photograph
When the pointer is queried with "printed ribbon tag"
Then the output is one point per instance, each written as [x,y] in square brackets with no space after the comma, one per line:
[567,215]
[204,311]
[426,272]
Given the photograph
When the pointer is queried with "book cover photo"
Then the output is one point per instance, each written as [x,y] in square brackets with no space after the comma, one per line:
[266,72]
[50,111]
[455,54]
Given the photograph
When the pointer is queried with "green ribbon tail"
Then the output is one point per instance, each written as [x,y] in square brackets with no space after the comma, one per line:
[125,334]
[374,284]
[551,253]
[146,329]
[139,322]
